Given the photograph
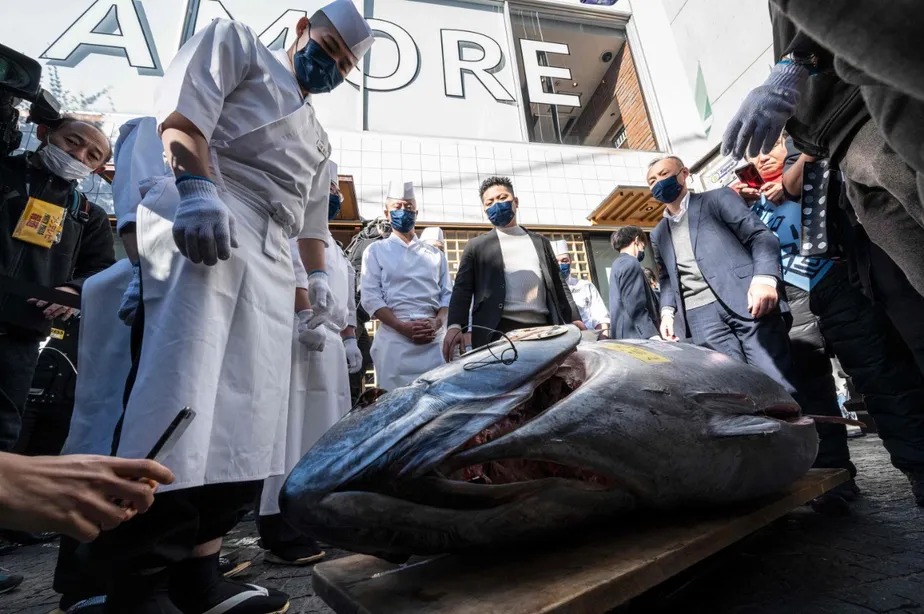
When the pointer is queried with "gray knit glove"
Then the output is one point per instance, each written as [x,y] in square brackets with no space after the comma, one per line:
[766,109]
[203,228]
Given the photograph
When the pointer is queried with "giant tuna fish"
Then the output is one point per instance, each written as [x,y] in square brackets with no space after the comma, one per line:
[507,445]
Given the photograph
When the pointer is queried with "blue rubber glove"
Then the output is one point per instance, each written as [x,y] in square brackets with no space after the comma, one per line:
[203,228]
[766,109]
[131,298]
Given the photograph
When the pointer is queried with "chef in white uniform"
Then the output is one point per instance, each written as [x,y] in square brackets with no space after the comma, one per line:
[405,284]
[217,286]
[594,312]
[435,237]
[319,395]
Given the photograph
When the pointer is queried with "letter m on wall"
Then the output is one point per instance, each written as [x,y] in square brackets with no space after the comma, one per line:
[109,27]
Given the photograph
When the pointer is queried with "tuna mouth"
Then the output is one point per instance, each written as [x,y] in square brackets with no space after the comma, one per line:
[569,376]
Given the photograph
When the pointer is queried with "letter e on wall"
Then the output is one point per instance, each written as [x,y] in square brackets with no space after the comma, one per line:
[530,50]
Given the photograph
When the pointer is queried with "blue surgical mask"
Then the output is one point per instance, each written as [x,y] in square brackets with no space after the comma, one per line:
[565,269]
[500,214]
[402,220]
[333,206]
[667,190]
[315,70]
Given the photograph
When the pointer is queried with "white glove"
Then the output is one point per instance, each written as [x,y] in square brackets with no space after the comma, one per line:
[131,298]
[203,227]
[319,294]
[312,338]
[353,355]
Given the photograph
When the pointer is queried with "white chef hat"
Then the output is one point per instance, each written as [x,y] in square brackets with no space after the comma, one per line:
[560,247]
[334,177]
[433,233]
[400,190]
[350,24]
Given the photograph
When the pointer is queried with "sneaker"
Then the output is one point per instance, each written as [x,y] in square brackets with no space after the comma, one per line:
[297,554]
[229,568]
[241,599]
[8,581]
[916,477]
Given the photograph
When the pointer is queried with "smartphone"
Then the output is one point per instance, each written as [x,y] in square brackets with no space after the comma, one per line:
[750,176]
[171,435]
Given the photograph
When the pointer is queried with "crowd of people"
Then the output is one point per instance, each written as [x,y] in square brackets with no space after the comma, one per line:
[236,300]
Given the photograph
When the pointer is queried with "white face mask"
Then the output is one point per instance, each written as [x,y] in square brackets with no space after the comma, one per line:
[60,163]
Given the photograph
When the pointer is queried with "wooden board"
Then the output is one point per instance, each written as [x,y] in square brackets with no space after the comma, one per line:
[595,574]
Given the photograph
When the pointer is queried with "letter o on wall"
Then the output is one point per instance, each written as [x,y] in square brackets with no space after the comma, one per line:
[408,64]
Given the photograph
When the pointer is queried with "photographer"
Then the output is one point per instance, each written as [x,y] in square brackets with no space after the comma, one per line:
[50,236]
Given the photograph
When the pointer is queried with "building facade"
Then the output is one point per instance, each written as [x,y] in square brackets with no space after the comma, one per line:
[569,99]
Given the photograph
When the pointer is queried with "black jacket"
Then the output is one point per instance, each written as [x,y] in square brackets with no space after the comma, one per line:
[831,110]
[85,248]
[634,311]
[480,284]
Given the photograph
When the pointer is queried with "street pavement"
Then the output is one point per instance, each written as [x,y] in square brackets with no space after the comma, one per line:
[870,561]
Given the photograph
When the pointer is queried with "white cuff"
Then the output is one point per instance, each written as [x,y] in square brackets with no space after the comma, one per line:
[454,326]
[668,312]
[766,280]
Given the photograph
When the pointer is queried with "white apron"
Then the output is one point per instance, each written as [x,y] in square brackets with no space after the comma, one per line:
[398,361]
[104,358]
[218,338]
[319,390]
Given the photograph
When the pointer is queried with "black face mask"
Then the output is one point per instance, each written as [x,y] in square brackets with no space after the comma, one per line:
[315,70]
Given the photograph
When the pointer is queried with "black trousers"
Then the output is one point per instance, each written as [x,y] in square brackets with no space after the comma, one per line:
[881,369]
[762,343]
[818,391]
[903,305]
[18,357]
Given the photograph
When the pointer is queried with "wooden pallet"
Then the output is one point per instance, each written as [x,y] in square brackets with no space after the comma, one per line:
[595,574]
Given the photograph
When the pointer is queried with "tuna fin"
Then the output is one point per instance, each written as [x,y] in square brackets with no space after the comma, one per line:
[740,426]
[725,402]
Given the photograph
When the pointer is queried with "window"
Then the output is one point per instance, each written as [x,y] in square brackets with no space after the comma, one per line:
[579,83]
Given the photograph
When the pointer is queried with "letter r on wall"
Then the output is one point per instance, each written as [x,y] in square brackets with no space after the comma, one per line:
[484,69]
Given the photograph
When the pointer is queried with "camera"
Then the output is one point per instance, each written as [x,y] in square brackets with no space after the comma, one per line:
[20,79]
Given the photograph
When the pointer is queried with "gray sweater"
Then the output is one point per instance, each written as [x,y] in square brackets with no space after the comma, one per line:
[695,289]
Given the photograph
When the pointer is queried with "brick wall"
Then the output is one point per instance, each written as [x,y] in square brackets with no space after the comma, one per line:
[632,104]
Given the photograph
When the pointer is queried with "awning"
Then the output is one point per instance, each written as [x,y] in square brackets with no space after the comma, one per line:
[628,206]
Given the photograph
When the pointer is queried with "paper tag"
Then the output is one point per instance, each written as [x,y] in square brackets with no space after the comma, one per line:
[40,223]
[57,333]
[634,351]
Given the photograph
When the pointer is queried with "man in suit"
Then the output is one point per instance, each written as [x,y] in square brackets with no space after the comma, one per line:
[720,269]
[508,277]
[633,307]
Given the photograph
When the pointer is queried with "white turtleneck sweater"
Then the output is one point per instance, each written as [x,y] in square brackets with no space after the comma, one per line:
[525,292]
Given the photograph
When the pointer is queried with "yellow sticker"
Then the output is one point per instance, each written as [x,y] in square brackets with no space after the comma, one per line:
[57,333]
[637,352]
[39,223]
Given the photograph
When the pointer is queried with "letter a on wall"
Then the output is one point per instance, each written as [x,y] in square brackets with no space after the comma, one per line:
[113,27]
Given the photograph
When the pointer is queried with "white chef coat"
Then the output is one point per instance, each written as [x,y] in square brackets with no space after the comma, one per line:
[319,389]
[411,279]
[212,334]
[589,303]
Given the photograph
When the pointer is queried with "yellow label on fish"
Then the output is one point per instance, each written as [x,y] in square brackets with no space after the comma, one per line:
[637,352]
[39,223]
[57,333]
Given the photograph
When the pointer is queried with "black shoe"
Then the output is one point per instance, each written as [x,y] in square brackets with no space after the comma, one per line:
[848,491]
[93,605]
[830,504]
[8,581]
[306,552]
[229,568]
[916,477]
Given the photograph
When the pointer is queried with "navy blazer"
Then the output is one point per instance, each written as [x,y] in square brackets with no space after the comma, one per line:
[633,307]
[731,246]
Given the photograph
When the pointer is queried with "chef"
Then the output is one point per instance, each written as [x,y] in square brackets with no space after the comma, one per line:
[593,310]
[319,395]
[405,284]
[249,159]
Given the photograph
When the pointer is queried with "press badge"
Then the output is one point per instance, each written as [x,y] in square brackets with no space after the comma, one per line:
[40,223]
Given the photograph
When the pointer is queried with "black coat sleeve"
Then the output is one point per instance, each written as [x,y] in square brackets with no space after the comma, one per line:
[463,289]
[96,252]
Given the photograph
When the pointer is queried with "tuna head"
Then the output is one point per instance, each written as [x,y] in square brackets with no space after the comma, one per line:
[489,449]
